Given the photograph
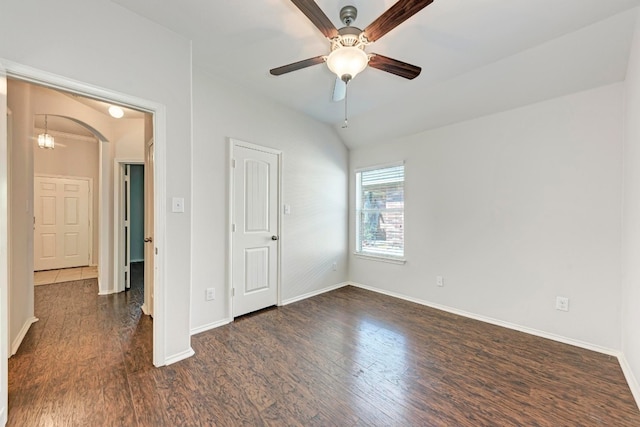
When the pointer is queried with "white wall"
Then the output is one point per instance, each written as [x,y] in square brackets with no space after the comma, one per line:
[156,67]
[21,211]
[514,209]
[631,221]
[315,166]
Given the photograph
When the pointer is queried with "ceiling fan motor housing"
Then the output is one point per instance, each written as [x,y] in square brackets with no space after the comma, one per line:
[348,15]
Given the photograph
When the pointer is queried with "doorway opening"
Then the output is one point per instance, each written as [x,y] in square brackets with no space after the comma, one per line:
[87,140]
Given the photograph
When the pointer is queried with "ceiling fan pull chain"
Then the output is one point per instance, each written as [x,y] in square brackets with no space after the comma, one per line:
[346,97]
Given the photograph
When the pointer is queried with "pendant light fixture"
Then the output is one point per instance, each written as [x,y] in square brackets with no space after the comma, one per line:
[44,139]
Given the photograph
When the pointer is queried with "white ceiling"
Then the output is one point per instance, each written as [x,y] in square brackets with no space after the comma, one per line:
[477,56]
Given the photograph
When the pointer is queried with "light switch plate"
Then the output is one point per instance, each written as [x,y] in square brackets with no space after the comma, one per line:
[177,204]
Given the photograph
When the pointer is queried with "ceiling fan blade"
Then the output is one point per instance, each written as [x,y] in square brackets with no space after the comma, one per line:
[312,11]
[394,66]
[297,65]
[339,90]
[394,16]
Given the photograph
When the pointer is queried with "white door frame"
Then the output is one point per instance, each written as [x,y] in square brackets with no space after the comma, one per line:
[89,181]
[32,75]
[4,252]
[118,219]
[230,166]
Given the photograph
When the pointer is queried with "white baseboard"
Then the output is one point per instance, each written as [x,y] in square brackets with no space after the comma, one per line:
[180,356]
[516,327]
[314,293]
[15,345]
[107,292]
[210,326]
[3,417]
[144,309]
[631,379]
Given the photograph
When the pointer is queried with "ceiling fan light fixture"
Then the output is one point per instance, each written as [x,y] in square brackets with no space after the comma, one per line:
[44,139]
[347,62]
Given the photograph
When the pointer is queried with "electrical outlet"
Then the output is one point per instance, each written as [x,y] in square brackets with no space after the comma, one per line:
[440,281]
[562,303]
[210,294]
[335,266]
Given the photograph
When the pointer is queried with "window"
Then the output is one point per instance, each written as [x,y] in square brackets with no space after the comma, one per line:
[380,212]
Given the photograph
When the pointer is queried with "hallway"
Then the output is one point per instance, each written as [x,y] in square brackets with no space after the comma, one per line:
[73,366]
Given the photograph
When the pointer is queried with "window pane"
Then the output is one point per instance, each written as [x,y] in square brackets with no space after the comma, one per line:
[381,212]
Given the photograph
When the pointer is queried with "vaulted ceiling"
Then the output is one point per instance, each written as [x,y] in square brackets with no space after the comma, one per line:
[477,56]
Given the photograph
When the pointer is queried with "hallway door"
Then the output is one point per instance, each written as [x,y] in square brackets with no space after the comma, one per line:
[255,228]
[61,223]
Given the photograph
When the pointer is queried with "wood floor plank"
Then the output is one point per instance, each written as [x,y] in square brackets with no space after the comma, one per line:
[345,358]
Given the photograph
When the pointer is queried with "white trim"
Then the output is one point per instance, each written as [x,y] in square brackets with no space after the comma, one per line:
[631,379]
[107,292]
[159,235]
[210,326]
[490,320]
[229,201]
[4,253]
[47,79]
[9,222]
[15,345]
[380,258]
[179,356]
[314,293]
[230,177]
[145,309]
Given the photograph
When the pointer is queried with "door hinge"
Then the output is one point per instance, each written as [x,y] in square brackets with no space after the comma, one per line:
[233,163]
[233,292]
[233,228]
[156,251]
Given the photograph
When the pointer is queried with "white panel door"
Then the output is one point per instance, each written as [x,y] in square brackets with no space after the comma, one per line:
[61,229]
[255,221]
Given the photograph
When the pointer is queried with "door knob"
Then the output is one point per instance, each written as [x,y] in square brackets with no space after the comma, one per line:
[274,237]
[148,239]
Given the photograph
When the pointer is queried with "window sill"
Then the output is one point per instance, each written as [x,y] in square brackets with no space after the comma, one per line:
[390,260]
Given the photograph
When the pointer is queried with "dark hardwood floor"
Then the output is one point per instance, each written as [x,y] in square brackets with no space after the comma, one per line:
[346,358]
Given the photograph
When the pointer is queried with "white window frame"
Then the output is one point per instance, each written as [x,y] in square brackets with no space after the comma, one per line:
[384,257]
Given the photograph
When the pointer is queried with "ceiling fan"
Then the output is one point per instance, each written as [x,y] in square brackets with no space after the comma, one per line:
[348,56]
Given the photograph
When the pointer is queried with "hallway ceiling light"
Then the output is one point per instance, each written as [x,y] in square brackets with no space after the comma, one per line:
[44,139]
[116,112]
